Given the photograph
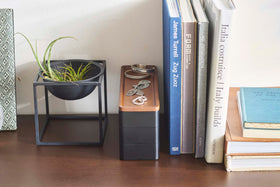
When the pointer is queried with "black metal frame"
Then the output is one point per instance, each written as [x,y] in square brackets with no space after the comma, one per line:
[100,116]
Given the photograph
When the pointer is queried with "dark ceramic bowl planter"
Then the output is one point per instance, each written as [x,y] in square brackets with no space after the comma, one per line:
[74,90]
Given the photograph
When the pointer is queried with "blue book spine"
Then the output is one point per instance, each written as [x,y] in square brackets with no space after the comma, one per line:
[242,106]
[172,76]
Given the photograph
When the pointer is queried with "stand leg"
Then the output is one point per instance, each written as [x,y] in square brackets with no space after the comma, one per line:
[105,103]
[47,102]
[100,114]
[36,115]
[105,94]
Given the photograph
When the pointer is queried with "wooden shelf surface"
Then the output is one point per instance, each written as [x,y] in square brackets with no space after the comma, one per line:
[25,164]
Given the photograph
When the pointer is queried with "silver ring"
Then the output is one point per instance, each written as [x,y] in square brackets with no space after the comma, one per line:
[142,68]
[139,100]
[140,76]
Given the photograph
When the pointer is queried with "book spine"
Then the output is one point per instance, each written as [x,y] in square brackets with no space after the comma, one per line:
[7,71]
[218,89]
[201,89]
[172,77]
[166,58]
[175,86]
[227,139]
[242,109]
[188,86]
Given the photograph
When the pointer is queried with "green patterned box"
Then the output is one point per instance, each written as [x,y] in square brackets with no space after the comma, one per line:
[7,71]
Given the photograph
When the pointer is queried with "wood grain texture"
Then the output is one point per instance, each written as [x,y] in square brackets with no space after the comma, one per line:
[25,164]
[125,102]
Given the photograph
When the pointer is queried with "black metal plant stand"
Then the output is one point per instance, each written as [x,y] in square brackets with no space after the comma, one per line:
[102,118]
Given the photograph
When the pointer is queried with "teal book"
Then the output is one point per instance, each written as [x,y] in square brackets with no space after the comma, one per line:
[260,111]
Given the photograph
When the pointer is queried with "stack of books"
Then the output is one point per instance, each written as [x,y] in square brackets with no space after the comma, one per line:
[252,139]
[187,28]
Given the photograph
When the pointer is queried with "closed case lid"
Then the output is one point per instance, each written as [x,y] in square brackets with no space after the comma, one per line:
[126,84]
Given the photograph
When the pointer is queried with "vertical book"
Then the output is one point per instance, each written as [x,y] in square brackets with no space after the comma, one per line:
[219,13]
[172,71]
[7,71]
[201,80]
[188,75]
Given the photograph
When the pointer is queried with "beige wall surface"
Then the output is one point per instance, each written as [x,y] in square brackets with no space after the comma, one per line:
[130,31]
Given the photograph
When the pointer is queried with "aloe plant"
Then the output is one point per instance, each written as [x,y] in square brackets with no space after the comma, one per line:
[67,73]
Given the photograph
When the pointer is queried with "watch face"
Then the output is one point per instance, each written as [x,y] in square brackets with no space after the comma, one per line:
[1,116]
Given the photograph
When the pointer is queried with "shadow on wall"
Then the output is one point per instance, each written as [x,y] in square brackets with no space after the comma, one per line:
[25,76]
[127,33]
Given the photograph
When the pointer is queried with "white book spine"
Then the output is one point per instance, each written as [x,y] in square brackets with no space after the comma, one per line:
[218,89]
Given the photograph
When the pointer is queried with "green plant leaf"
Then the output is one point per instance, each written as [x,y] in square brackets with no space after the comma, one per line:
[48,52]
[66,73]
[33,51]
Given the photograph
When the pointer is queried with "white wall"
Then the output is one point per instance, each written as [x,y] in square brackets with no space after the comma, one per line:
[255,44]
[120,31]
[128,32]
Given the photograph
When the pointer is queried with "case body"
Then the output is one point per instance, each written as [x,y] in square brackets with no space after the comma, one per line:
[139,125]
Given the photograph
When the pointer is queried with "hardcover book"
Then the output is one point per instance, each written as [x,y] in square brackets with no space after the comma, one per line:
[252,163]
[235,143]
[201,80]
[219,13]
[7,71]
[172,72]
[188,75]
[259,111]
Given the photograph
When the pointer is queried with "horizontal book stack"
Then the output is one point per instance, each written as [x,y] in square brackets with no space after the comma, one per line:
[252,140]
